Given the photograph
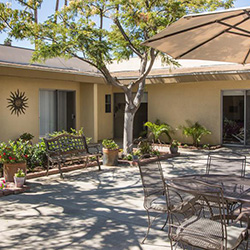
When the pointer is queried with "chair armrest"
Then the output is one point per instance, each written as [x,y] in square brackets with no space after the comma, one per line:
[244,215]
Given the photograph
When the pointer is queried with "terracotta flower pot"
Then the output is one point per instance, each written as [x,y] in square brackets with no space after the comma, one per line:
[9,170]
[19,181]
[110,157]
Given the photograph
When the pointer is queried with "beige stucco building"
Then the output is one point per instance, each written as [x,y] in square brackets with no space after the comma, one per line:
[62,94]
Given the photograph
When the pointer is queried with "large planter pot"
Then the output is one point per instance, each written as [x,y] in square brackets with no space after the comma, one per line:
[19,181]
[9,170]
[110,157]
[174,150]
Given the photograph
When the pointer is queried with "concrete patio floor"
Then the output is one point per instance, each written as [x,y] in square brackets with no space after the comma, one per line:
[90,209]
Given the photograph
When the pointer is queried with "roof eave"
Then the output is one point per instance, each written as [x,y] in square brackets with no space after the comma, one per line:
[48,69]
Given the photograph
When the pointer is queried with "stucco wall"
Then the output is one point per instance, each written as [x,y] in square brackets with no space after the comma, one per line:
[200,101]
[87,109]
[104,120]
[13,126]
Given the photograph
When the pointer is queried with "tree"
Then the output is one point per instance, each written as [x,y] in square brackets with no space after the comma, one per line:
[78,30]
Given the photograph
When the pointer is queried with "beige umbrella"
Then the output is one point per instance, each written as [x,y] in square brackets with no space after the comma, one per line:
[217,36]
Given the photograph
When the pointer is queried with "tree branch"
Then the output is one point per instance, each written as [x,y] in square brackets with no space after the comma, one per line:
[118,24]
[144,75]
[109,78]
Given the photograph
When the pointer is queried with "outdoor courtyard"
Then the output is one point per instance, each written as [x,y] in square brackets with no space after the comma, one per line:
[91,209]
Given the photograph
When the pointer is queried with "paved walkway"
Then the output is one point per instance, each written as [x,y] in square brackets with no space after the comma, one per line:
[88,209]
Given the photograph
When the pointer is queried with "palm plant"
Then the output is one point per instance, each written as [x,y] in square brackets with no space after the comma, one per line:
[156,130]
[196,131]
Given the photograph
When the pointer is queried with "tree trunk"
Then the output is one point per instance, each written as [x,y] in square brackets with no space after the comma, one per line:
[128,130]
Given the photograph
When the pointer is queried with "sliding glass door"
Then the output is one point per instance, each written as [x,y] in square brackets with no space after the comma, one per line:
[247,117]
[57,111]
[47,110]
[236,117]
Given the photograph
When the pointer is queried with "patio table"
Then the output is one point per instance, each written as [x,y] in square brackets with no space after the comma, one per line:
[235,188]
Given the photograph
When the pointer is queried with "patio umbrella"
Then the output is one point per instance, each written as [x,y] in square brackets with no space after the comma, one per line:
[217,36]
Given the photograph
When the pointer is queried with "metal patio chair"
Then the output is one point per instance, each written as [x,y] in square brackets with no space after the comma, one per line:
[154,187]
[226,164]
[205,229]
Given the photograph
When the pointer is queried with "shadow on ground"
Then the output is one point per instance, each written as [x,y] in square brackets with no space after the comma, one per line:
[89,209]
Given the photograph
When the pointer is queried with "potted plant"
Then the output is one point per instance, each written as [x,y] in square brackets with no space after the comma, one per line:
[110,152]
[174,146]
[13,155]
[19,178]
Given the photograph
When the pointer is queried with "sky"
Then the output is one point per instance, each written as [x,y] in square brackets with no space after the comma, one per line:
[49,5]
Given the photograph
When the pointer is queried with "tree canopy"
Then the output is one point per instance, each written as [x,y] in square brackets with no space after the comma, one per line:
[78,28]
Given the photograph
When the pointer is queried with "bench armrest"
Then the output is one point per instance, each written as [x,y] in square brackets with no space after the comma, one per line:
[96,148]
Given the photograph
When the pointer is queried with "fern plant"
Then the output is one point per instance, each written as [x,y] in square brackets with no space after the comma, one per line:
[157,129]
[196,131]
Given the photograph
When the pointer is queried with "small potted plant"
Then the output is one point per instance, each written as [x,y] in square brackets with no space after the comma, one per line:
[174,146]
[19,178]
[110,152]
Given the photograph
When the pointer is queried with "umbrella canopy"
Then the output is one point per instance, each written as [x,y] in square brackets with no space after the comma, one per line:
[217,36]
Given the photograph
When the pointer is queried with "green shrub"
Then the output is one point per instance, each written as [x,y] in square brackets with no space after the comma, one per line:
[26,137]
[196,131]
[206,146]
[129,157]
[157,129]
[109,144]
[144,147]
[37,156]
[156,152]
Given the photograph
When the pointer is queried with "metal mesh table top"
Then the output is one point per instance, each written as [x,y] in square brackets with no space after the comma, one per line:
[235,188]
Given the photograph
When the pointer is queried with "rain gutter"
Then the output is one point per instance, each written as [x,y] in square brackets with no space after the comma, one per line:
[231,72]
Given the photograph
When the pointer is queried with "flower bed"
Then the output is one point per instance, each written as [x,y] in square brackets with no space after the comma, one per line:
[162,156]
[165,147]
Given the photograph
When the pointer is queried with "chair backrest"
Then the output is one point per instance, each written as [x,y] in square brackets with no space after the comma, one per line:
[210,205]
[153,182]
[226,164]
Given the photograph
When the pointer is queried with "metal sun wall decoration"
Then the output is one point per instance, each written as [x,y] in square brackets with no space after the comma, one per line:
[17,102]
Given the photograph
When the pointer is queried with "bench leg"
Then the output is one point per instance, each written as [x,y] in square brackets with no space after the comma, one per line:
[60,170]
[98,162]
[48,168]
[87,161]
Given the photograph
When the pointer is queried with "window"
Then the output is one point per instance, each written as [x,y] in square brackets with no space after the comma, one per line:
[107,103]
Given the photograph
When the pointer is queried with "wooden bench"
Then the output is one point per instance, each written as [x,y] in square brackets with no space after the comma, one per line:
[66,147]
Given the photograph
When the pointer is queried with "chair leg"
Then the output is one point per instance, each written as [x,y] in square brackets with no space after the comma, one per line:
[149,225]
[246,245]
[165,223]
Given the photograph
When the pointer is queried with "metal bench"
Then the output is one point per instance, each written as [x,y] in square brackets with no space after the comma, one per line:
[69,148]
